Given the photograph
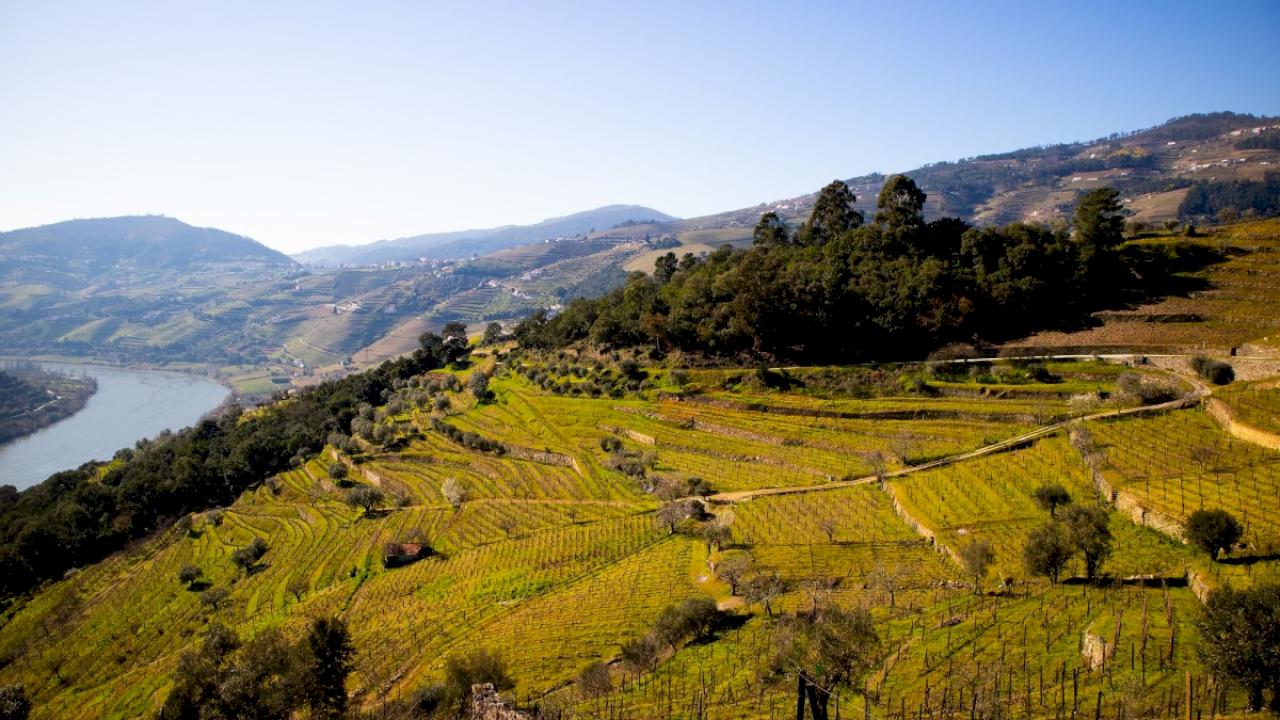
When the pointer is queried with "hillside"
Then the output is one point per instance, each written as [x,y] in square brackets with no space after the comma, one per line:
[1153,168]
[469,243]
[556,556]
[263,325]
[583,492]
[81,252]
[31,398]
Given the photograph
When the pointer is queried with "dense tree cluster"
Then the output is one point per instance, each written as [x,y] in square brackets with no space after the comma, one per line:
[1269,140]
[1210,198]
[266,677]
[80,516]
[1082,529]
[839,288]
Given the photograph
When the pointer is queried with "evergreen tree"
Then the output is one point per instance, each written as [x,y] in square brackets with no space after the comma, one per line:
[832,215]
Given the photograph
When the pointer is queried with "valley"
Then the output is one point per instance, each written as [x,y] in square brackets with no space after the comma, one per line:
[995,472]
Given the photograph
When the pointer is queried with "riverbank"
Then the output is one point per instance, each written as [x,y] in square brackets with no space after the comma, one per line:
[32,398]
[131,404]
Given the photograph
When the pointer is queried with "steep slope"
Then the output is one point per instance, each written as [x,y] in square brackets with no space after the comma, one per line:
[466,243]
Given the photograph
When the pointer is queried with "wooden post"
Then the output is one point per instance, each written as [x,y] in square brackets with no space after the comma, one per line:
[1188,712]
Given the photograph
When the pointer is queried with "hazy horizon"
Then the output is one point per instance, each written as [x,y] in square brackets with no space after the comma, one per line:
[303,125]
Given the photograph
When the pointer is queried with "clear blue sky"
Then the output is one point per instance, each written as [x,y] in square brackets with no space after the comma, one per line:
[310,123]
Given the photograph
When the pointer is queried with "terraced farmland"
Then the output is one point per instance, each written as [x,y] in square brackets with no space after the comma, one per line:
[552,546]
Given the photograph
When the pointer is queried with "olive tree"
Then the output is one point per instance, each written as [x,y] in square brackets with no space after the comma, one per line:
[1240,640]
[365,496]
[1087,528]
[824,650]
[1048,550]
[1049,497]
[1213,531]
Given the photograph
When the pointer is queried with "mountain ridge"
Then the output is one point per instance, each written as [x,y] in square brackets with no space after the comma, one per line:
[1153,167]
[464,243]
[133,242]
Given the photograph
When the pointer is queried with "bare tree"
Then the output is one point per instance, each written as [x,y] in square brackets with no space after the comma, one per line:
[763,589]
[594,680]
[733,570]
[887,579]
[876,460]
[506,524]
[455,493]
[904,445]
[672,514]
[828,527]
[977,558]
[297,587]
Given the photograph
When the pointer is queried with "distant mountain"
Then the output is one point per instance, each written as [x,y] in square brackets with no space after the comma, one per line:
[465,243]
[145,243]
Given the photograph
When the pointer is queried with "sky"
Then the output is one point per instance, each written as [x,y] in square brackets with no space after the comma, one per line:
[303,124]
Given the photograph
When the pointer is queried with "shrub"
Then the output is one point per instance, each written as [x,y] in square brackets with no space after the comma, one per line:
[594,680]
[14,704]
[213,597]
[640,653]
[189,574]
[476,667]
[1215,371]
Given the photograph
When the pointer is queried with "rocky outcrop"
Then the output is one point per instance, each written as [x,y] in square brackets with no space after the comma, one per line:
[1095,651]
[545,457]
[632,434]
[486,705]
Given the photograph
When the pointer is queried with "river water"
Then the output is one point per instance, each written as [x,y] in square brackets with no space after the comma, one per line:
[128,406]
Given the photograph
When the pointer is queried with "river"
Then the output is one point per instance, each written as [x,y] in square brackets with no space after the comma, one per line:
[128,406]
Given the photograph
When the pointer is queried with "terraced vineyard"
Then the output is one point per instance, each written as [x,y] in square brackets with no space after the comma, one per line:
[552,546]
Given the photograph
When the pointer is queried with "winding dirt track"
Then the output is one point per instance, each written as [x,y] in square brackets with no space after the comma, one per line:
[1200,392]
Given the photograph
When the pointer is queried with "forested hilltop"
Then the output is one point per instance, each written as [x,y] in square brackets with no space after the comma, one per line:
[838,288]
